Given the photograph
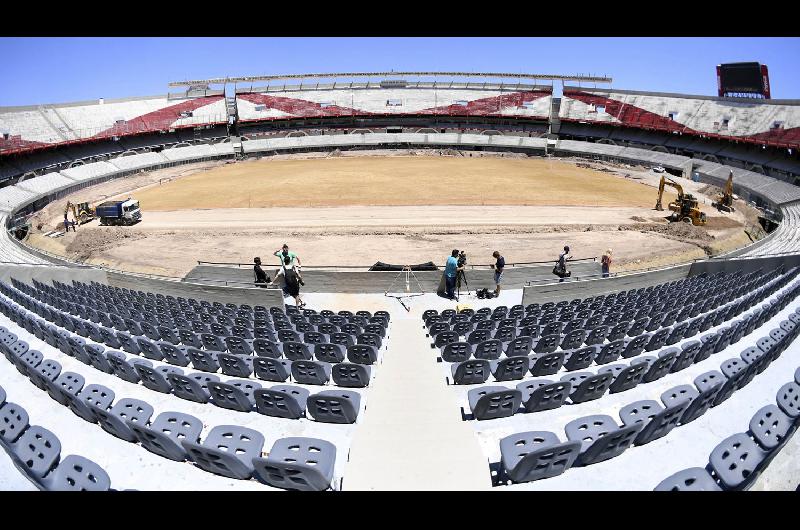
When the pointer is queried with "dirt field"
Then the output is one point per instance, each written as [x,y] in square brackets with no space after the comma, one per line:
[388,181]
[190,213]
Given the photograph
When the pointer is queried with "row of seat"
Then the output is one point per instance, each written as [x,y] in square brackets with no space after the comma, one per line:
[272,368]
[490,402]
[162,327]
[577,332]
[536,455]
[36,452]
[236,394]
[477,371]
[228,450]
[738,460]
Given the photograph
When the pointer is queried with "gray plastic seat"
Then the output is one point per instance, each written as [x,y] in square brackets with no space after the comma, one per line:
[520,346]
[229,395]
[36,452]
[235,365]
[547,344]
[334,406]
[362,354]
[13,421]
[97,395]
[304,464]
[267,348]
[48,370]
[627,378]
[65,385]
[692,479]
[510,368]
[656,421]
[770,427]
[535,455]
[311,372]
[124,411]
[163,436]
[635,346]
[700,403]
[490,349]
[205,361]
[593,387]
[76,473]
[580,359]
[661,366]
[175,355]
[543,394]
[351,375]
[573,339]
[609,352]
[228,450]
[679,393]
[296,351]
[546,363]
[3,396]
[282,401]
[121,367]
[152,378]
[474,371]
[736,460]
[192,387]
[329,353]
[272,369]
[788,398]
[490,402]
[600,437]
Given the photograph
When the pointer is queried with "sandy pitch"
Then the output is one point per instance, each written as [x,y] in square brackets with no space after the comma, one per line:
[396,181]
[361,212]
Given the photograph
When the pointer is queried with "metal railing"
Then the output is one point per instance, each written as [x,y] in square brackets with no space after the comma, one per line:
[365,268]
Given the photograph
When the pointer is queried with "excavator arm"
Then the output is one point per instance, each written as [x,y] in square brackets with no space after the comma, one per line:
[666,182]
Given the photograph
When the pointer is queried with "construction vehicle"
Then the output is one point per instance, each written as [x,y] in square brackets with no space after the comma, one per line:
[125,212]
[82,212]
[724,202]
[685,208]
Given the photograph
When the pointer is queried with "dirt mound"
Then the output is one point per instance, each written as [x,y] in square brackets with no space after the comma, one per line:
[90,242]
[721,223]
[710,190]
[680,231]
[638,219]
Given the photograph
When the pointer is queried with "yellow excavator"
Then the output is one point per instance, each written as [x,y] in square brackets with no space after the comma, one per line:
[82,212]
[685,208]
[724,202]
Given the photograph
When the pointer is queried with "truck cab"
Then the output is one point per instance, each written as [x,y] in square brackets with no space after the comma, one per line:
[125,212]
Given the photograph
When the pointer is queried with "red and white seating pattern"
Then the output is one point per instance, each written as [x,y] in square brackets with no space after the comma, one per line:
[754,121]
[31,128]
[404,101]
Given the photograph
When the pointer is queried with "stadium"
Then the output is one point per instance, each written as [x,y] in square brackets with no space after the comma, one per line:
[144,357]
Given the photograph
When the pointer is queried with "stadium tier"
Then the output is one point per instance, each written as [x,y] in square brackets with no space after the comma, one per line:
[681,377]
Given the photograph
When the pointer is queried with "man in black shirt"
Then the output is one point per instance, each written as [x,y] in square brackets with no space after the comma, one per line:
[261,276]
[498,267]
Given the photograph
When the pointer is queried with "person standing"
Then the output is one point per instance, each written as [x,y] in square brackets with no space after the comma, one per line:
[562,264]
[498,267]
[451,269]
[284,252]
[605,263]
[291,281]
[66,223]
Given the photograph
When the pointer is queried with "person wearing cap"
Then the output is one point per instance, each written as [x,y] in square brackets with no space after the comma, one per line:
[498,267]
[284,253]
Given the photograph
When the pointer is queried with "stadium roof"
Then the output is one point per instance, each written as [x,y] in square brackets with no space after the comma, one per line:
[222,80]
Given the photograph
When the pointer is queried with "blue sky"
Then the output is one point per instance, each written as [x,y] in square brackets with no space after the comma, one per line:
[54,70]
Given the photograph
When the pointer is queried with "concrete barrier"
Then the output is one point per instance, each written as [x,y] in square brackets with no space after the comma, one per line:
[746,265]
[212,293]
[555,292]
[351,281]
[48,273]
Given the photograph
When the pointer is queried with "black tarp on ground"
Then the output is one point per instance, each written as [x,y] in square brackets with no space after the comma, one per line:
[386,267]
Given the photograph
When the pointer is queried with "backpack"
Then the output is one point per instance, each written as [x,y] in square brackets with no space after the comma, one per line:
[291,277]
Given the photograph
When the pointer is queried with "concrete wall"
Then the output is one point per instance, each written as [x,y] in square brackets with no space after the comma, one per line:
[555,292]
[252,296]
[46,274]
[317,281]
[745,265]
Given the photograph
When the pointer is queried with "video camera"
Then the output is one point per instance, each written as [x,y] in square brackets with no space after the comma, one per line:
[462,258]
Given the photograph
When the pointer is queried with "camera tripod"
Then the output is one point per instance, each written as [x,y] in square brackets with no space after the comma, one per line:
[461,276]
[408,273]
